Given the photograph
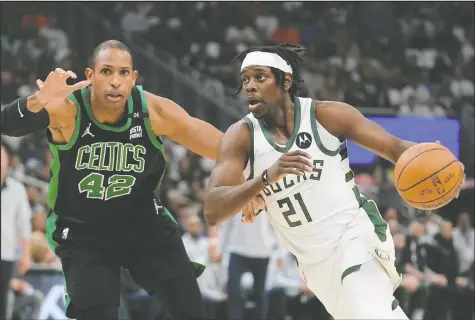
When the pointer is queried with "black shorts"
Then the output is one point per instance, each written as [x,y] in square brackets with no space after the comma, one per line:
[153,252]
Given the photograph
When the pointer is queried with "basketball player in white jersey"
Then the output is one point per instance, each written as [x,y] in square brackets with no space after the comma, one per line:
[294,152]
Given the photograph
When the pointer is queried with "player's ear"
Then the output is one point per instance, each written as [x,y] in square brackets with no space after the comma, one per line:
[135,75]
[288,81]
[88,72]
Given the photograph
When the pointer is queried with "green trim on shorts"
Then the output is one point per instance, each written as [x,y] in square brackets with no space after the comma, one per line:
[198,268]
[50,228]
[395,304]
[168,214]
[372,211]
[349,271]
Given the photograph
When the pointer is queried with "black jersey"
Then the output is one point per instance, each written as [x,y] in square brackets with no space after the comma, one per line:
[107,175]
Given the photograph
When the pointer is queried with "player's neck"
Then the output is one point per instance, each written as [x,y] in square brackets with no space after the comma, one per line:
[105,114]
[282,117]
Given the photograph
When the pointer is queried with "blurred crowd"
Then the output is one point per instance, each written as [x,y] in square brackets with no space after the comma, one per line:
[413,58]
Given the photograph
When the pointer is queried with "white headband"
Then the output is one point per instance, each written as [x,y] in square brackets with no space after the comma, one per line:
[268,59]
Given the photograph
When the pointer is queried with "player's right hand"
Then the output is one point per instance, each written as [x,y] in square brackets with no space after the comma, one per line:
[296,162]
[55,88]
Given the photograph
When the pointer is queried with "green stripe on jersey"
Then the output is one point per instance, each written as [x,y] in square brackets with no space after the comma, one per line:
[54,181]
[290,143]
[157,144]
[369,206]
[50,228]
[130,107]
[316,136]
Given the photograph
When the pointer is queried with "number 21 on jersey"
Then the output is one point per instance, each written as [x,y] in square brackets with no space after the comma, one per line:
[291,209]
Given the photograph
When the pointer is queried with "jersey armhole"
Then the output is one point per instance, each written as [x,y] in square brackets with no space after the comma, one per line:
[156,140]
[251,151]
[316,135]
[77,125]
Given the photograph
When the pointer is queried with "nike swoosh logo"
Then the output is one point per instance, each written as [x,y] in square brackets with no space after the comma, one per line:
[21,114]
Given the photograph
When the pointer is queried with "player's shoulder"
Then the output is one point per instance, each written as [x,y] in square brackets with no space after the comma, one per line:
[156,103]
[238,134]
[332,109]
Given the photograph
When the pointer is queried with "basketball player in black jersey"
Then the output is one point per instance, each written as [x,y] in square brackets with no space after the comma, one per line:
[106,166]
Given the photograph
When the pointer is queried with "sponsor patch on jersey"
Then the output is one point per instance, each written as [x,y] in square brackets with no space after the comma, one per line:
[304,140]
[135,132]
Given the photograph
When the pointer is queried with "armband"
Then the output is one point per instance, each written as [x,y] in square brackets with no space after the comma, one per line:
[264,177]
[17,120]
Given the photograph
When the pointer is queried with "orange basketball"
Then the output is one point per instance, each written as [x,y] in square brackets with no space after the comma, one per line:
[427,176]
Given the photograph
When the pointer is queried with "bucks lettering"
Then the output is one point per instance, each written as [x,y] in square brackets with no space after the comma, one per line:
[111,156]
[291,180]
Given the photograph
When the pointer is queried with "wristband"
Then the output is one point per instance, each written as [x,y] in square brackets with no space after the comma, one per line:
[264,177]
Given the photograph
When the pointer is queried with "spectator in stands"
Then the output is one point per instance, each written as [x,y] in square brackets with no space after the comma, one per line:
[27,300]
[464,296]
[250,247]
[213,282]
[287,292]
[41,253]
[413,291]
[464,244]
[398,237]
[442,260]
[195,243]
[16,215]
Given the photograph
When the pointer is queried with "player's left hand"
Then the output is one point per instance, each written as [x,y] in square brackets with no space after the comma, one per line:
[457,192]
[24,263]
[252,209]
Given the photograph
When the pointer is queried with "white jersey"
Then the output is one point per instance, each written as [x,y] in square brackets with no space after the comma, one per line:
[311,212]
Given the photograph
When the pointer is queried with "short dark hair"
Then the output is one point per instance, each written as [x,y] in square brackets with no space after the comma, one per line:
[109,44]
[292,54]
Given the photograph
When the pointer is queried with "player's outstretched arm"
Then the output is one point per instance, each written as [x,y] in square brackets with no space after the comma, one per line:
[172,121]
[227,192]
[42,109]
[341,119]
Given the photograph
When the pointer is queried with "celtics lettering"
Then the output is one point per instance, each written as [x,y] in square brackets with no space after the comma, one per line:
[111,156]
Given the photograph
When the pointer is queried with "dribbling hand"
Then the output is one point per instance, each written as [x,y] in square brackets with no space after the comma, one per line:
[252,209]
[457,192]
[296,162]
[55,89]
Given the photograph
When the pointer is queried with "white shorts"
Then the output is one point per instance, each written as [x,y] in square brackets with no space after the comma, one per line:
[359,279]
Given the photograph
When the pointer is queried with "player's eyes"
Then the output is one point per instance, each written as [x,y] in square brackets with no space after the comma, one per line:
[125,72]
[245,79]
[261,77]
[105,71]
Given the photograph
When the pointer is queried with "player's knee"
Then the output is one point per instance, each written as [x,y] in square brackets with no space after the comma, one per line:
[99,312]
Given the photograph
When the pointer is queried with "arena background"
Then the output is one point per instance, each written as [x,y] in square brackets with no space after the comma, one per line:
[409,65]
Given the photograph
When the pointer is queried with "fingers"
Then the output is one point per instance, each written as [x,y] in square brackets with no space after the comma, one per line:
[65,74]
[258,203]
[80,85]
[252,209]
[297,166]
[247,213]
[462,181]
[40,83]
